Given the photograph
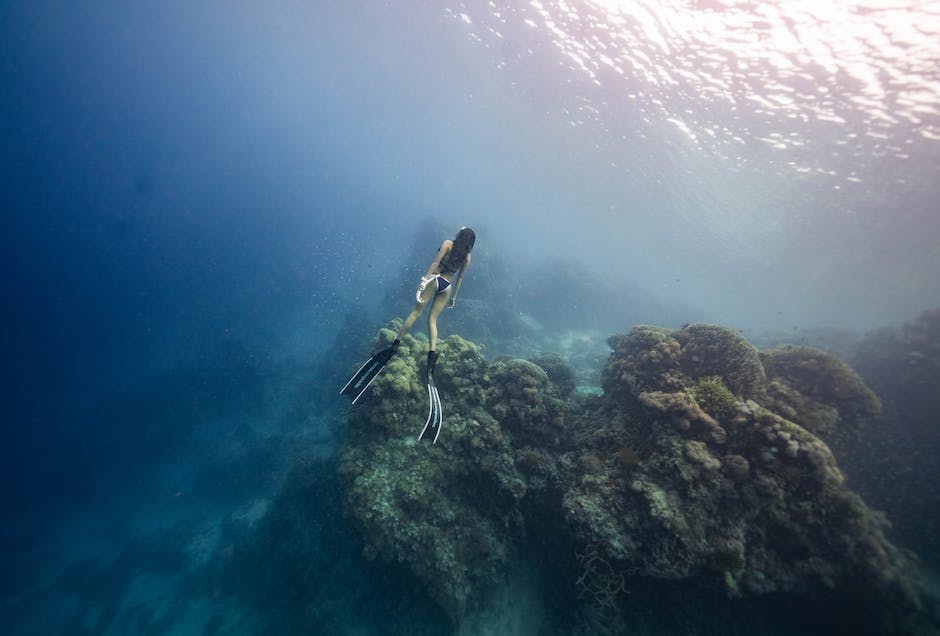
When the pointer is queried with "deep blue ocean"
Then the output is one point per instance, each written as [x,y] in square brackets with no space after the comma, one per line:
[209,210]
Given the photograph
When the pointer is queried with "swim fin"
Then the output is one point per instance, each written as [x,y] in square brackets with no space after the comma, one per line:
[368,372]
[435,416]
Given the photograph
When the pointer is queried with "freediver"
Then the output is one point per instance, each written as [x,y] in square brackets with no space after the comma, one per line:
[439,286]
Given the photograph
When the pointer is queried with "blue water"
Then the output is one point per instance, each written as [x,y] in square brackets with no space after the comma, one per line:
[208,210]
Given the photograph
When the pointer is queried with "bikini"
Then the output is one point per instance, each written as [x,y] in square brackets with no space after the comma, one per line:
[441,282]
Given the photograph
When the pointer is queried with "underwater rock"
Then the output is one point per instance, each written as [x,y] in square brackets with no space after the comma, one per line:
[654,358]
[560,373]
[521,396]
[711,350]
[412,501]
[817,389]
[647,358]
[728,491]
[681,472]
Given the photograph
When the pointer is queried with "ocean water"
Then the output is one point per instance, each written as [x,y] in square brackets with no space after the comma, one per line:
[209,211]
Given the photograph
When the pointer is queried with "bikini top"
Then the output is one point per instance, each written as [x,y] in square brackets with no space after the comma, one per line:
[447,266]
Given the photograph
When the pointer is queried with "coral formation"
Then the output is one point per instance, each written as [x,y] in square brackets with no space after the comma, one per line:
[559,372]
[646,358]
[521,396]
[696,465]
[714,397]
[730,490]
[446,510]
[816,389]
[711,350]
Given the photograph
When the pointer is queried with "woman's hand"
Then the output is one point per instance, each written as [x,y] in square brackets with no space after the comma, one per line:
[452,302]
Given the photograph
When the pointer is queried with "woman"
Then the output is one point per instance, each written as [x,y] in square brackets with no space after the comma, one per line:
[453,259]
[439,286]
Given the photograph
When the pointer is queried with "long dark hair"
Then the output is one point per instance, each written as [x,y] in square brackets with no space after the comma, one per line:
[463,243]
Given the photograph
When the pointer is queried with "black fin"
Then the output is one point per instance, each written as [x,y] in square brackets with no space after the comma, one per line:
[367,373]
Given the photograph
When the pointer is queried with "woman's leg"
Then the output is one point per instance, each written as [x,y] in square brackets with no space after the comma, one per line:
[426,295]
[436,307]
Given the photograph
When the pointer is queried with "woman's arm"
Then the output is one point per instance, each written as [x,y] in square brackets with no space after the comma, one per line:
[463,270]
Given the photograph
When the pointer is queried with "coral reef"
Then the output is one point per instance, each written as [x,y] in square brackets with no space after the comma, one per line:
[711,350]
[660,359]
[728,490]
[697,466]
[449,510]
[523,399]
[560,373]
[714,397]
[816,389]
